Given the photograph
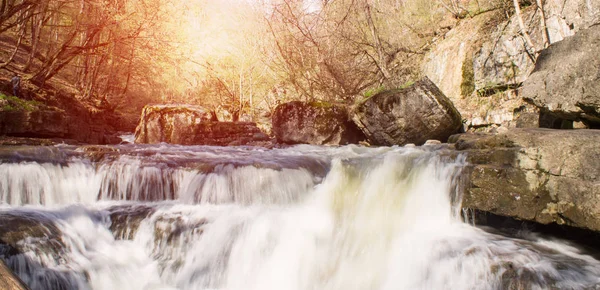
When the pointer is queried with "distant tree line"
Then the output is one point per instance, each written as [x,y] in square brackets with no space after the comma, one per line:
[234,55]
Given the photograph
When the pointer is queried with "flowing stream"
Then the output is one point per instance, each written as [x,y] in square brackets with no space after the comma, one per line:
[299,218]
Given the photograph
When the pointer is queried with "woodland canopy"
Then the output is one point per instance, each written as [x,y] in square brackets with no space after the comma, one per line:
[239,56]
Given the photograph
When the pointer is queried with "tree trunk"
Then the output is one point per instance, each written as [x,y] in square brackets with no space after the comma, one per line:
[380,50]
[524,32]
[540,5]
[14,53]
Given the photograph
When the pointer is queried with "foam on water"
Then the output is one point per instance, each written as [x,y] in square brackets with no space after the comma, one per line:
[378,219]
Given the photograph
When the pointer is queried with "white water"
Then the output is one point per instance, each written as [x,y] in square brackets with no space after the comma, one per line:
[378,219]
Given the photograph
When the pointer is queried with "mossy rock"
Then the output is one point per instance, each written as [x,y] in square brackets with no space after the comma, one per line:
[317,123]
[12,103]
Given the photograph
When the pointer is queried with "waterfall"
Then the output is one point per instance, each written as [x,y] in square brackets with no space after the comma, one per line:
[244,218]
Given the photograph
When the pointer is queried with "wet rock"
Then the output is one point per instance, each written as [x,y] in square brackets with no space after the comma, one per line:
[411,115]
[17,227]
[98,153]
[192,125]
[566,79]
[432,142]
[171,229]
[8,280]
[541,175]
[314,123]
[125,220]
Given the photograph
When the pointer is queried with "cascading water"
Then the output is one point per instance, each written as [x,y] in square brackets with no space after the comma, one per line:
[173,217]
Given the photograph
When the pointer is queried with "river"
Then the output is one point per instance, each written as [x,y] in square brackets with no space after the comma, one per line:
[297,218]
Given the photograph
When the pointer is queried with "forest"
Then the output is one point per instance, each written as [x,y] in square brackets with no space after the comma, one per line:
[241,57]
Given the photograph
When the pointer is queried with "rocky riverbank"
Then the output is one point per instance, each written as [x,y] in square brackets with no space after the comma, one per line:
[542,175]
[478,76]
[53,115]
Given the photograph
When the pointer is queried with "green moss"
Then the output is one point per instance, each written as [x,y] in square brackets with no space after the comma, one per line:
[16,104]
[406,85]
[7,108]
[467,87]
[374,91]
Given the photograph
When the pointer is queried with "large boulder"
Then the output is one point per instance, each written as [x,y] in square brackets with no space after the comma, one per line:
[192,125]
[410,115]
[314,123]
[566,79]
[539,175]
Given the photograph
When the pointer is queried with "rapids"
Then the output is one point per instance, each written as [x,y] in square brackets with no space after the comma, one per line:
[299,218]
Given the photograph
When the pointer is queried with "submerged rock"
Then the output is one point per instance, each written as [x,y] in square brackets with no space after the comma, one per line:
[125,220]
[16,228]
[314,123]
[411,115]
[566,79]
[192,125]
[541,175]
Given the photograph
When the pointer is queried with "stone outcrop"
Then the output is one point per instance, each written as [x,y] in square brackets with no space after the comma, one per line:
[449,64]
[60,117]
[192,125]
[540,175]
[566,79]
[56,124]
[38,123]
[314,123]
[480,63]
[410,115]
[505,60]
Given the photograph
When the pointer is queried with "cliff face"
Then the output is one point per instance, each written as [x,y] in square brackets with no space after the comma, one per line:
[482,62]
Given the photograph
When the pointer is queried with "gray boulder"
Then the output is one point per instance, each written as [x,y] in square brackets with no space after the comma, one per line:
[314,123]
[410,115]
[540,175]
[566,79]
[192,125]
